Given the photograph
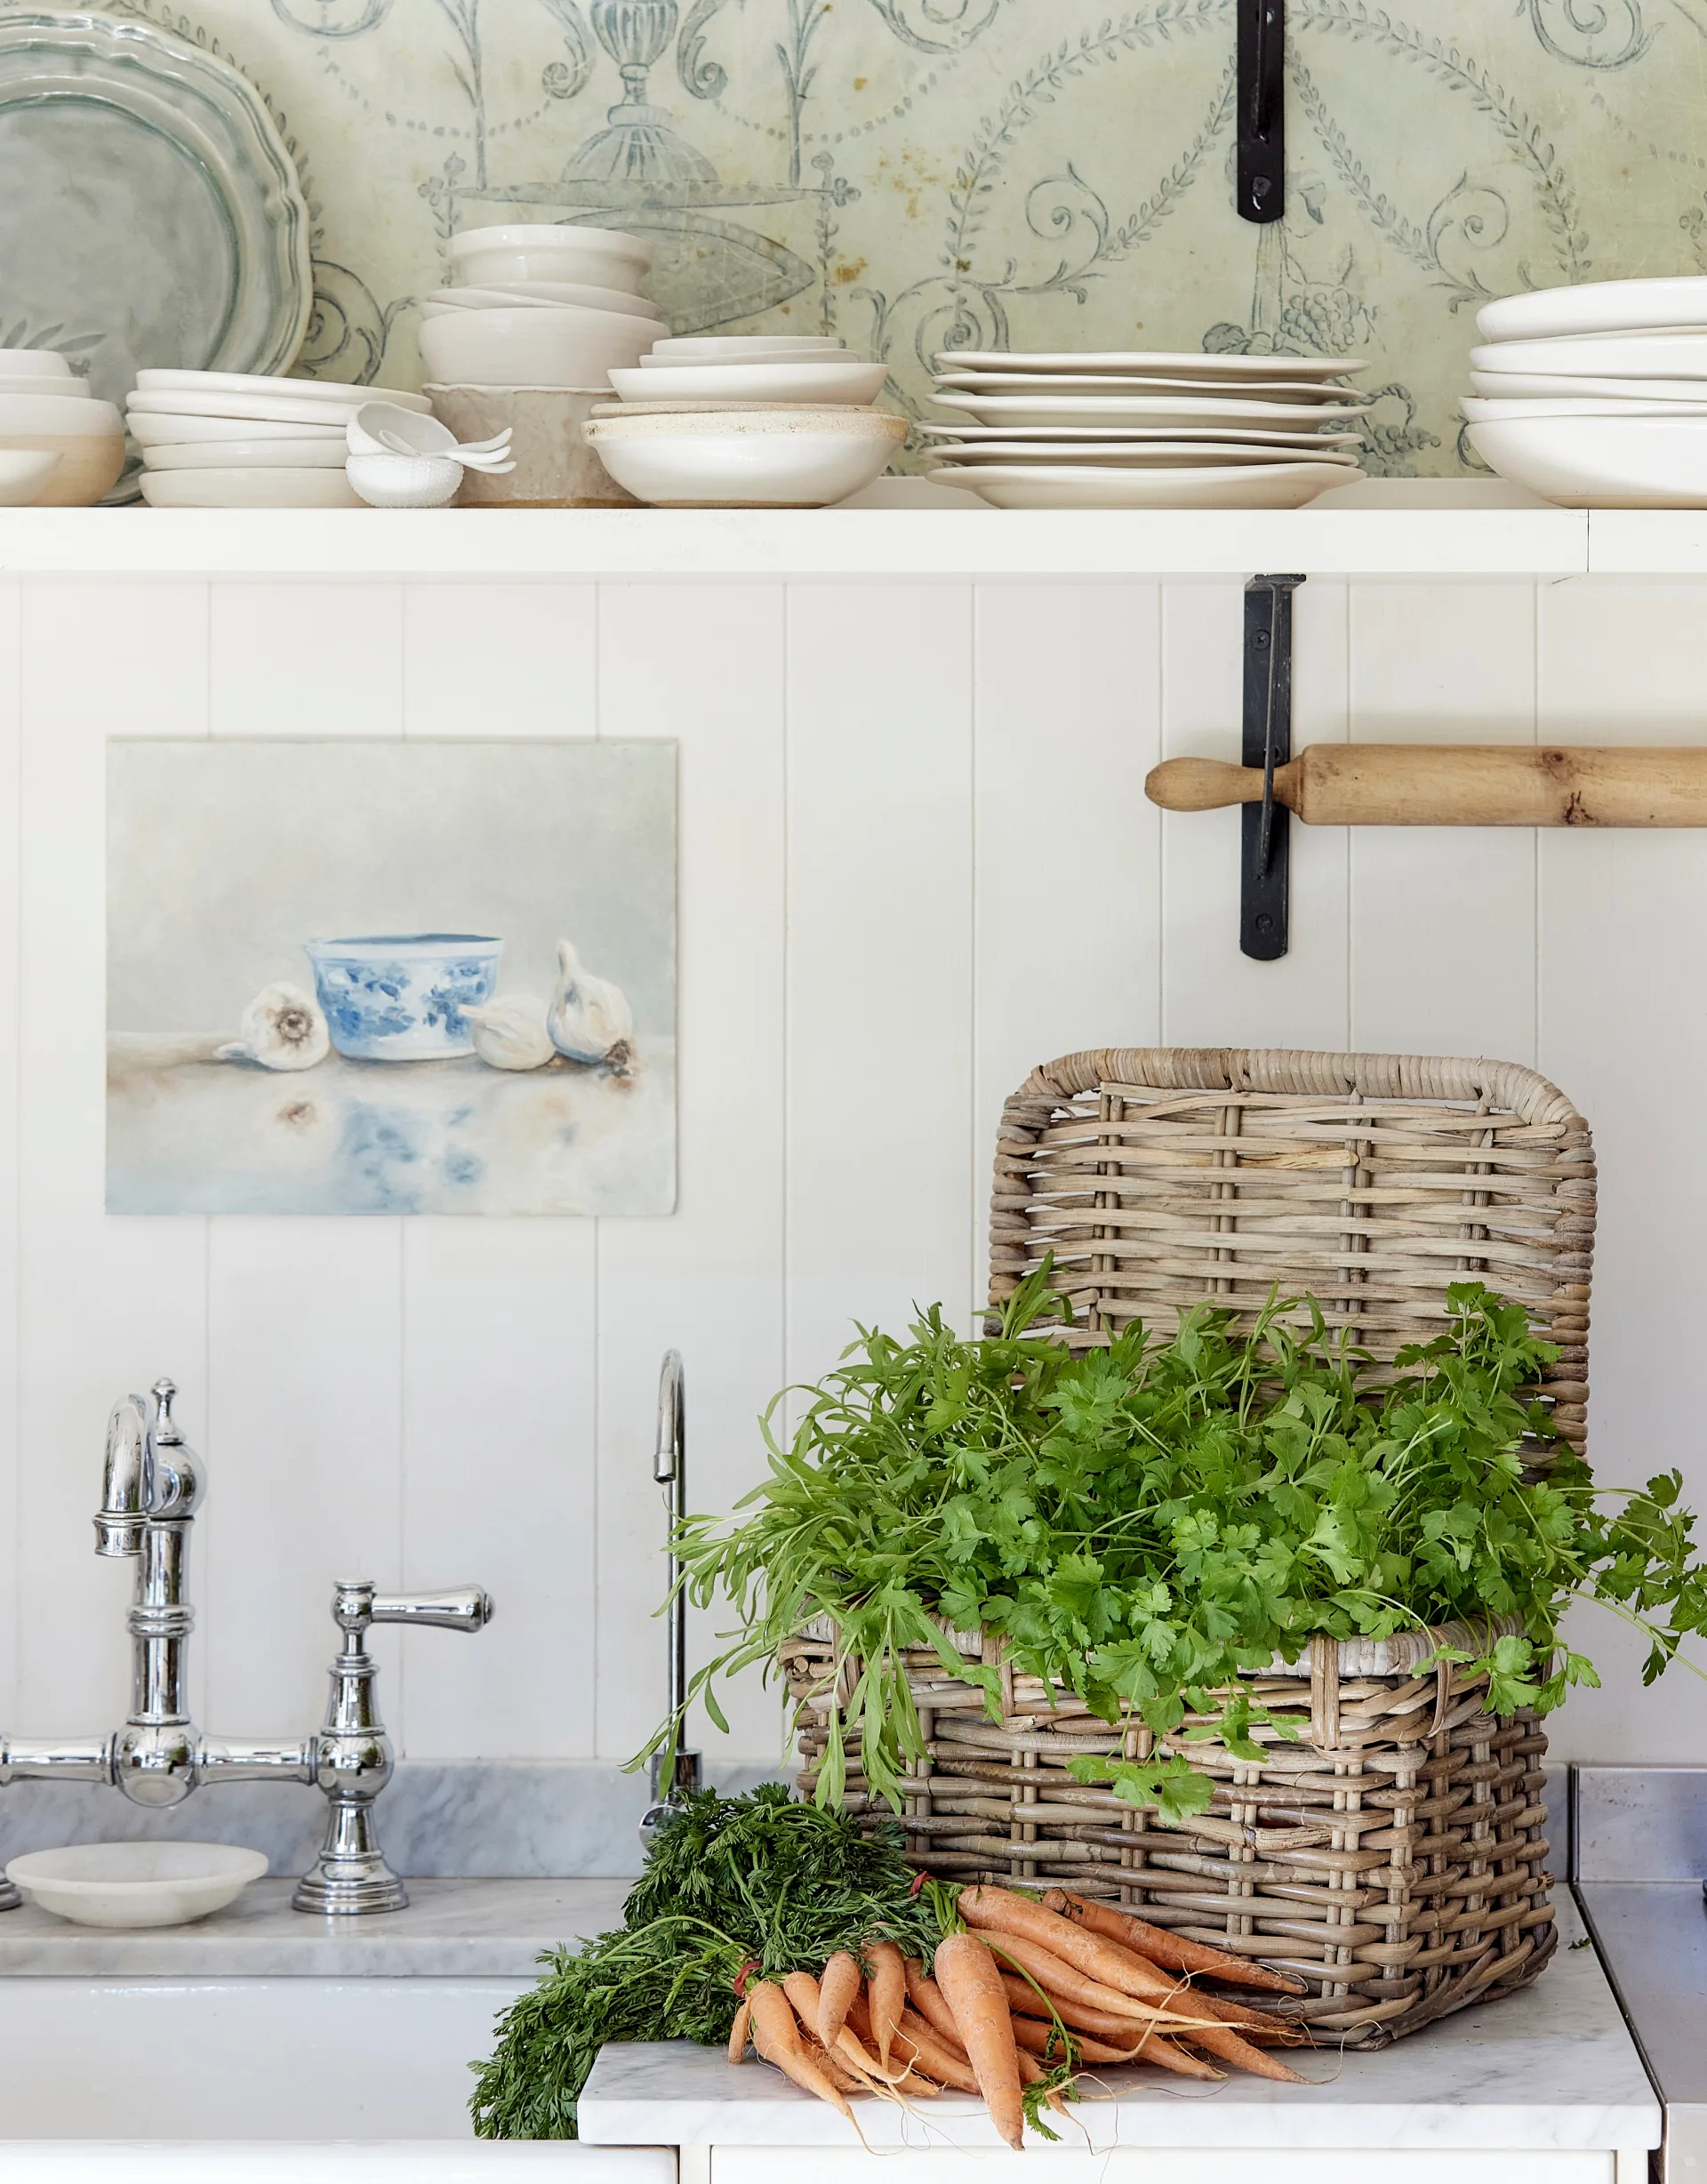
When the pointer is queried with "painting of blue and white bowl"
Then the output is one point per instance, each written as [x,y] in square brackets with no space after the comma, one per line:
[399,997]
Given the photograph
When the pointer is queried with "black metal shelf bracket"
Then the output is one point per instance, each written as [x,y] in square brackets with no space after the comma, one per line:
[1261,91]
[1266,845]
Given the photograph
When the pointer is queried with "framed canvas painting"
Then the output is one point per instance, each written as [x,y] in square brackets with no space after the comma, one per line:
[389,977]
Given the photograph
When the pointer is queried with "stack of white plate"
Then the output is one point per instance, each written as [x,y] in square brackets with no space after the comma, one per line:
[538,306]
[1596,397]
[235,440]
[1146,429]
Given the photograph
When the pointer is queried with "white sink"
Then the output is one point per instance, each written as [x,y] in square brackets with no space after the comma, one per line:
[251,2078]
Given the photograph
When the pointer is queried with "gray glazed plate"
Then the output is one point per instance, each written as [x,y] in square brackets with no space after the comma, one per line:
[149,211]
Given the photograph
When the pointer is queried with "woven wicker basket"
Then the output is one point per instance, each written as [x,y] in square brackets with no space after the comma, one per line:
[1394,1857]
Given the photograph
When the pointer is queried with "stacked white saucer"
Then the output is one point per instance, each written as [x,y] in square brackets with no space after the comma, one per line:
[1146,429]
[1596,397]
[237,439]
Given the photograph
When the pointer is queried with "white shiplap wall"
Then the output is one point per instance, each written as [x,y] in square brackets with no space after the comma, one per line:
[916,860]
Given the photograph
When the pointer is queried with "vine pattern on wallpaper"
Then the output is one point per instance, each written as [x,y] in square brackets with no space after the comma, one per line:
[921,175]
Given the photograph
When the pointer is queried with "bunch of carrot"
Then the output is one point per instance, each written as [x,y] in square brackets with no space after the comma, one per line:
[1015,2003]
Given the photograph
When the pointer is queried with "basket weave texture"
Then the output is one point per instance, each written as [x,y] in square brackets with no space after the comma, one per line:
[1393,1857]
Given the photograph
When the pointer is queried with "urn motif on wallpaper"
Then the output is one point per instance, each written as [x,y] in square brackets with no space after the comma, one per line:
[390,978]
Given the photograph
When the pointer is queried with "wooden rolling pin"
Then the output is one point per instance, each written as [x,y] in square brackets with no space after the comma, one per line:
[1455,785]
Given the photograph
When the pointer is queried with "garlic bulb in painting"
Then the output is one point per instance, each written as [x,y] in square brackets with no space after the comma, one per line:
[509,1032]
[282,1028]
[589,1019]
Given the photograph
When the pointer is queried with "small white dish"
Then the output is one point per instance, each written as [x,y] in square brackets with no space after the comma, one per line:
[1153,454]
[136,1883]
[1173,364]
[24,472]
[150,429]
[532,251]
[855,385]
[404,481]
[730,347]
[1601,461]
[1302,394]
[1596,307]
[1288,484]
[1173,409]
[238,487]
[33,363]
[340,393]
[1603,356]
[760,353]
[266,409]
[801,457]
[1568,386]
[327,455]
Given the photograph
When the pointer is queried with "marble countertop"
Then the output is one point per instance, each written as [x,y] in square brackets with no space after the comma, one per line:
[451,1929]
[1550,2069]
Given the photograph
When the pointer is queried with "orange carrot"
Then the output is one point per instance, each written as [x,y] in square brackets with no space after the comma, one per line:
[1169,1950]
[777,2038]
[997,1910]
[840,1983]
[1025,2001]
[1169,2055]
[1058,1978]
[1035,2035]
[971,1985]
[888,1994]
[738,2033]
[929,1999]
[1223,2041]
[916,2040]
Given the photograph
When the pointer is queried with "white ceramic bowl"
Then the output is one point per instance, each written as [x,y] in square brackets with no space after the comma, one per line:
[31,363]
[136,1883]
[789,458]
[151,428]
[818,358]
[322,454]
[490,257]
[57,413]
[215,385]
[855,384]
[24,472]
[1596,307]
[1572,387]
[404,481]
[538,347]
[543,295]
[87,435]
[238,487]
[45,382]
[1601,461]
[732,347]
[1480,411]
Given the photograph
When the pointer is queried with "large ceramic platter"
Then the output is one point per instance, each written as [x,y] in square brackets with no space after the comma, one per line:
[1302,393]
[1090,409]
[149,213]
[1176,364]
[1079,485]
[1596,307]
[1108,435]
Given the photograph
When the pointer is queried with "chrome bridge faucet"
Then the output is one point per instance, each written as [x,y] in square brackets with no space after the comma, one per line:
[151,1487]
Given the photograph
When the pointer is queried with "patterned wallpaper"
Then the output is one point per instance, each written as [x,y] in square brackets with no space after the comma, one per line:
[916,174]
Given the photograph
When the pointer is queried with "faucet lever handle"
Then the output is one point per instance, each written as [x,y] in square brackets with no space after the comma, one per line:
[463,1607]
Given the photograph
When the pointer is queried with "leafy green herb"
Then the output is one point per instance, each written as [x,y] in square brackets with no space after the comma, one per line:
[1142,1521]
[732,1884]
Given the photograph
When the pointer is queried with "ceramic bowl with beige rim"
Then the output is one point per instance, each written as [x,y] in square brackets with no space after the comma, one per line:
[87,436]
[136,1883]
[803,457]
[491,257]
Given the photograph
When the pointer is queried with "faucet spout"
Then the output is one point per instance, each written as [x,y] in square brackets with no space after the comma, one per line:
[126,1482]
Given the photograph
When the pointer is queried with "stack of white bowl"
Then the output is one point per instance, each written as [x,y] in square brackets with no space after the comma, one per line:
[237,439]
[1147,429]
[47,411]
[526,338]
[747,420]
[1596,397]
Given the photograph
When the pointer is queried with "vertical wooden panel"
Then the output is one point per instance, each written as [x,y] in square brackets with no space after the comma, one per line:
[1212,995]
[880,1076]
[703,665]
[107,1303]
[1623,1032]
[1067,905]
[499,1372]
[1443,922]
[11,838]
[305,1331]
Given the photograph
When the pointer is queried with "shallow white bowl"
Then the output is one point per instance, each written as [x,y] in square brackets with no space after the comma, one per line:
[539,348]
[1596,307]
[78,414]
[338,393]
[811,359]
[1604,356]
[287,454]
[731,348]
[45,382]
[268,409]
[789,458]
[1288,484]
[30,363]
[136,1883]
[154,428]
[24,472]
[853,385]
[240,487]
[539,295]
[490,257]
[1601,461]
[404,481]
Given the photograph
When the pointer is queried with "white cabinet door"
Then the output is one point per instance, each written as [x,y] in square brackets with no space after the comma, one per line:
[1160,2165]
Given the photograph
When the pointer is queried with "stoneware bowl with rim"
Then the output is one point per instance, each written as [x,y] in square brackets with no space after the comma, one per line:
[779,458]
[530,251]
[399,997]
[136,1883]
